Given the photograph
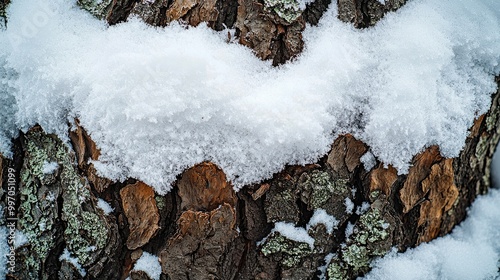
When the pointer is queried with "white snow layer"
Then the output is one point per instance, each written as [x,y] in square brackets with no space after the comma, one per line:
[150,264]
[320,216]
[159,100]
[470,252]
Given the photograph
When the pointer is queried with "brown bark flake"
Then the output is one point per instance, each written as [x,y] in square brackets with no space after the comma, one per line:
[204,188]
[198,248]
[139,206]
[412,192]
[382,179]
[345,155]
[443,193]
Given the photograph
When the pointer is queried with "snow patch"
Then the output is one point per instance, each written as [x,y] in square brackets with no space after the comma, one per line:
[291,232]
[470,252]
[106,208]
[150,264]
[321,217]
[49,167]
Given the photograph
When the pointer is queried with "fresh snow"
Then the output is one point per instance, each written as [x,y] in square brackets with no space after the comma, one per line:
[159,100]
[150,264]
[106,208]
[470,252]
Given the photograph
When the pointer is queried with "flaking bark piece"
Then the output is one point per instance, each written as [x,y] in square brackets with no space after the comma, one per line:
[139,206]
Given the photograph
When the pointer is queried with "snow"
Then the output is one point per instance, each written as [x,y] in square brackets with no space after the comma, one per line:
[298,234]
[360,210]
[106,208]
[66,256]
[470,252]
[368,160]
[322,269]
[49,167]
[157,101]
[349,205]
[150,264]
[321,217]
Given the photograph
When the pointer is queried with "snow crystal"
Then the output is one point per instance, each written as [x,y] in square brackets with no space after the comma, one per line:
[349,230]
[349,205]
[106,208]
[321,217]
[150,264]
[360,210]
[49,167]
[159,100]
[66,256]
[291,232]
[368,160]
[470,252]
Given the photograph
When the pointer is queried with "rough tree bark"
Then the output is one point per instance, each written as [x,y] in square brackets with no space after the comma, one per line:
[202,229]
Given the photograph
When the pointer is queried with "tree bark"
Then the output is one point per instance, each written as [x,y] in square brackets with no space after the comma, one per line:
[202,229]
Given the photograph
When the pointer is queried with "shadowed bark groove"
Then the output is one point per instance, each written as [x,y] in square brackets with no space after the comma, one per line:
[202,229]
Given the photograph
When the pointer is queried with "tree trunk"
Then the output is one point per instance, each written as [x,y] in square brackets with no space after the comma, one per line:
[202,229]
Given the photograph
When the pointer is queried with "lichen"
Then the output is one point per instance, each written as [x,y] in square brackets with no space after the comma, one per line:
[336,271]
[38,216]
[288,252]
[323,187]
[98,8]
[160,202]
[369,240]
[289,10]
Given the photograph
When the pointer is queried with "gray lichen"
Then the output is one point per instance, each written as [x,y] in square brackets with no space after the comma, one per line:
[370,239]
[288,252]
[98,8]
[289,10]
[39,212]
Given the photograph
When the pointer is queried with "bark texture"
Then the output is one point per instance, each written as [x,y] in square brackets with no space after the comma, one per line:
[202,229]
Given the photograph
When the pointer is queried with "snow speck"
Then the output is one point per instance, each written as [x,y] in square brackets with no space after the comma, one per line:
[360,210]
[294,233]
[66,256]
[150,264]
[349,230]
[321,217]
[322,269]
[349,205]
[49,167]
[106,208]
[51,196]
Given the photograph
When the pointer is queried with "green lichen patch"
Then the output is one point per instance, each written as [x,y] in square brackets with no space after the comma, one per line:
[336,271]
[288,252]
[320,186]
[289,10]
[98,8]
[39,216]
[370,239]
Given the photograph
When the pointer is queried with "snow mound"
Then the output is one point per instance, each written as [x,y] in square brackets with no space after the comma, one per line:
[157,101]
[470,252]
